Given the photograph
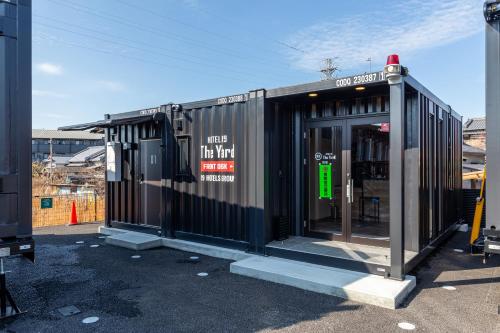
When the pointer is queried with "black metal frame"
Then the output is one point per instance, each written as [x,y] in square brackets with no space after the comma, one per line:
[346,122]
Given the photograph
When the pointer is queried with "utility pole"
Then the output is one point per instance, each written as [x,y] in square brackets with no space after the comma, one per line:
[329,69]
[50,161]
[492,230]
[370,61]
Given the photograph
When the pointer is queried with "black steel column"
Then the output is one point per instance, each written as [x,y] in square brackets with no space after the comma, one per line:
[396,180]
[256,174]
[493,114]
[168,173]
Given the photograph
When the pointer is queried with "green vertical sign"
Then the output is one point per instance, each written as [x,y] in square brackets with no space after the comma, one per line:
[325,181]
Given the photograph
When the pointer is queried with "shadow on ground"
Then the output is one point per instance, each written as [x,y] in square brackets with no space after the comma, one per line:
[161,292]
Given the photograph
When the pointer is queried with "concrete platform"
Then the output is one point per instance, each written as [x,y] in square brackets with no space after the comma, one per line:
[351,251]
[134,240]
[360,287]
[140,241]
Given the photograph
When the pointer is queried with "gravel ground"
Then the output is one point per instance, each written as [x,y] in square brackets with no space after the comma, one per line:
[161,292]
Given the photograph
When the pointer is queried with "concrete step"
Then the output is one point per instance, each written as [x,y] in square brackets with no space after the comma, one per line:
[355,286]
[134,240]
[205,249]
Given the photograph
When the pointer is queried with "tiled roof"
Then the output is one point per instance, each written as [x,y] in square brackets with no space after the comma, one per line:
[474,150]
[54,134]
[87,154]
[475,124]
[470,166]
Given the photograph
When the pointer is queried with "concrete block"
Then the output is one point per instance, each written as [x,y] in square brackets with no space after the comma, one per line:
[205,249]
[110,231]
[134,241]
[355,286]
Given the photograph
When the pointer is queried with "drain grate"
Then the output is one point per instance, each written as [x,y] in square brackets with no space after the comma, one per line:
[69,310]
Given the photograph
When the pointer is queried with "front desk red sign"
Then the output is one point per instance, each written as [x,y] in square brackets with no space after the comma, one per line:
[217,166]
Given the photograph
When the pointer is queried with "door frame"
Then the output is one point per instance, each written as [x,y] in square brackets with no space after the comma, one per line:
[142,204]
[346,125]
[348,129]
[305,181]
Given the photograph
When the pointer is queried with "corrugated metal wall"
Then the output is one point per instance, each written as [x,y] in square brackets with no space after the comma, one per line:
[123,198]
[441,170]
[279,181]
[220,203]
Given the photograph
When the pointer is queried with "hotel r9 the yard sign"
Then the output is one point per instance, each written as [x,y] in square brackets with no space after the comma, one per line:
[217,160]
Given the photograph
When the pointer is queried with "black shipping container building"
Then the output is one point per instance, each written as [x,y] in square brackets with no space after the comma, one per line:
[354,160]
[15,131]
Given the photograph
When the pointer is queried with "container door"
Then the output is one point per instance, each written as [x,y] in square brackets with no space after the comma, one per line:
[325,181]
[150,182]
[367,176]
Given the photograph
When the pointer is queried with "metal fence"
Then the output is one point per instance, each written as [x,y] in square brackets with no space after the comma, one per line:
[52,210]
[469,206]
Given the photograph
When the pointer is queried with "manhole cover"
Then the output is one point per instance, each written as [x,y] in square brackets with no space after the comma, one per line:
[449,287]
[68,310]
[90,320]
[406,326]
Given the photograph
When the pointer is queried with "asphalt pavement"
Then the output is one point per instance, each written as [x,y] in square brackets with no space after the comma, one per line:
[162,292]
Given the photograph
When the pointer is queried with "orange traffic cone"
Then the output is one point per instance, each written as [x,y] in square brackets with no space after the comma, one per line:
[74,218]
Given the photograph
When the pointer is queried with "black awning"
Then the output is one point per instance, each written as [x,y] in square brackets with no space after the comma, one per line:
[107,123]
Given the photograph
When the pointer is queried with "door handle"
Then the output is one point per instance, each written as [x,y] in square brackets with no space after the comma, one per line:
[350,190]
[348,194]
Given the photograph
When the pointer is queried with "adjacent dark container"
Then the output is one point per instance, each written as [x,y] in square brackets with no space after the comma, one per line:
[15,119]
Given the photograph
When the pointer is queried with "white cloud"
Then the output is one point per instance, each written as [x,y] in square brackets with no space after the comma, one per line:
[50,69]
[47,93]
[402,28]
[111,85]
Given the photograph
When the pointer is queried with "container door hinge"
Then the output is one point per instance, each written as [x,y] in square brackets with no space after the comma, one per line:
[305,223]
[305,161]
[305,135]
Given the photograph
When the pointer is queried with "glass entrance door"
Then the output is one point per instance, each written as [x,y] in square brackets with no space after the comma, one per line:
[368,166]
[324,175]
[347,180]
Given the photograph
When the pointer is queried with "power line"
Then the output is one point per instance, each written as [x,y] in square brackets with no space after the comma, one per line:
[225,37]
[153,46]
[122,21]
[142,60]
[154,49]
[276,41]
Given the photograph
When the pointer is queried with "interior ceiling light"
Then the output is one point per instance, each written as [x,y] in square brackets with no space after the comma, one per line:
[312,95]
[360,88]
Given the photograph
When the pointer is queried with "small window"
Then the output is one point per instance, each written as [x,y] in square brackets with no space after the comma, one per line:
[183,160]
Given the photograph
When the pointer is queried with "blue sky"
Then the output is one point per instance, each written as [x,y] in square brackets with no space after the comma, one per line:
[94,57]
